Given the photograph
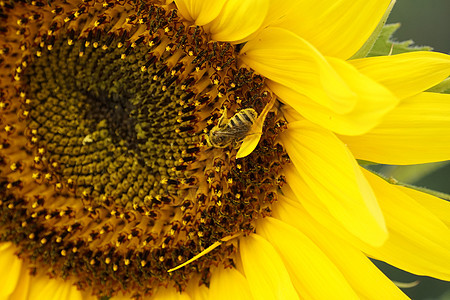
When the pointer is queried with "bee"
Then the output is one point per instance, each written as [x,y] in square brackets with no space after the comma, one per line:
[233,130]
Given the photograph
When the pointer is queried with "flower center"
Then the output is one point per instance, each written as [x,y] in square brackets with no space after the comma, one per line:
[107,176]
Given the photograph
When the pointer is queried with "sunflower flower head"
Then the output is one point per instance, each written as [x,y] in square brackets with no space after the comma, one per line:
[112,105]
[205,149]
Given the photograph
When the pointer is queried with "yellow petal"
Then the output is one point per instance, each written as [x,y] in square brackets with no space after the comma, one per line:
[197,292]
[367,114]
[11,267]
[337,28]
[327,91]
[238,19]
[228,284]
[169,293]
[406,74]
[440,208]
[416,131]
[42,287]
[252,139]
[265,271]
[290,114]
[328,175]
[419,242]
[23,286]
[308,266]
[368,45]
[283,57]
[374,101]
[276,12]
[199,11]
[365,278]
[248,145]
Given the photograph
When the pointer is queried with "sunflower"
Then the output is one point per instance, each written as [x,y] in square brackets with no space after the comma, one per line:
[207,150]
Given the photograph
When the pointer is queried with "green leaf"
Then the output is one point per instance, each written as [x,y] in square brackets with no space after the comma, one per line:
[386,45]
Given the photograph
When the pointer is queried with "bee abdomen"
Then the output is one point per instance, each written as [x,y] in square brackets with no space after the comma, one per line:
[244,117]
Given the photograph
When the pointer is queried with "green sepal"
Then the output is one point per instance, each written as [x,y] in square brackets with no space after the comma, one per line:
[392,180]
[386,45]
[368,45]
[364,163]
[412,173]
[443,87]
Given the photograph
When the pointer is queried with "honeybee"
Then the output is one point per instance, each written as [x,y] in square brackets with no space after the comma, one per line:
[233,130]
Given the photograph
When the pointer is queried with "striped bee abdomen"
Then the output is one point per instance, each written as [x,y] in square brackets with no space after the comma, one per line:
[234,130]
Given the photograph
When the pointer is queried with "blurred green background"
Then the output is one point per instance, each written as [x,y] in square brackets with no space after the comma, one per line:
[427,23]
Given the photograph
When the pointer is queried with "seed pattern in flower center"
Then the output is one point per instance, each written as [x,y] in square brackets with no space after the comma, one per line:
[115,131]
[107,177]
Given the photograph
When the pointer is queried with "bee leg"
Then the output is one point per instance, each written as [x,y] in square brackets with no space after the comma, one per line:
[222,118]
[207,250]
[208,140]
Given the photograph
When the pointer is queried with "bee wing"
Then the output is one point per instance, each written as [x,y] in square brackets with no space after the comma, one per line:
[236,131]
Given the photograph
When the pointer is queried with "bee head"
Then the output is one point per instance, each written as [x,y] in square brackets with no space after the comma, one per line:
[213,139]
